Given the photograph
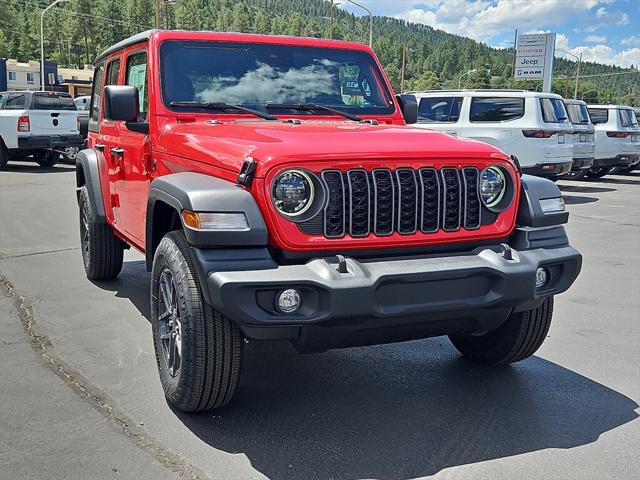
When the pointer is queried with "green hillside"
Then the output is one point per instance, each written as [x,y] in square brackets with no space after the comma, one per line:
[77,31]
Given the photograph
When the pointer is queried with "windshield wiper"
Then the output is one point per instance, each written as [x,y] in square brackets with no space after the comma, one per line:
[223,106]
[306,107]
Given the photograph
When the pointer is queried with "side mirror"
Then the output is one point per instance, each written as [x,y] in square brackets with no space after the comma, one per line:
[409,107]
[121,103]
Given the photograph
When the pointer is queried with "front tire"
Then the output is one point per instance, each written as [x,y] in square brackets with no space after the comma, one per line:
[598,172]
[198,350]
[516,339]
[102,251]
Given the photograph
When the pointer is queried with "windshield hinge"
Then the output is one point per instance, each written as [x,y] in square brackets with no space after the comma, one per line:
[371,121]
[245,177]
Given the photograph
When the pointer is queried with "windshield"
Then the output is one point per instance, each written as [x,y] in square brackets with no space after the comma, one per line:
[578,114]
[254,75]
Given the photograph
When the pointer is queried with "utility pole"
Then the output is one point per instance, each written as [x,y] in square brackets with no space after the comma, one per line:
[331,21]
[157,2]
[575,91]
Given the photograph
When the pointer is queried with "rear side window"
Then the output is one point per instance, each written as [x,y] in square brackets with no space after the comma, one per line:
[96,94]
[627,118]
[137,77]
[599,115]
[52,101]
[15,102]
[577,113]
[439,110]
[3,96]
[496,109]
[553,110]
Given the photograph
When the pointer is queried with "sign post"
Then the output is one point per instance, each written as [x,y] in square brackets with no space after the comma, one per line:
[534,58]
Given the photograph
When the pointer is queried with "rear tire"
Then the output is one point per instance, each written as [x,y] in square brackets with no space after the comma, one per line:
[598,172]
[102,251]
[198,350]
[47,159]
[516,339]
[575,174]
[4,156]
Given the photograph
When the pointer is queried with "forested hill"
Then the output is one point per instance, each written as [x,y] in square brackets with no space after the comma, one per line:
[78,30]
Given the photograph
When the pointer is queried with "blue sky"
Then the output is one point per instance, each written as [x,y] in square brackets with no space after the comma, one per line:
[605,31]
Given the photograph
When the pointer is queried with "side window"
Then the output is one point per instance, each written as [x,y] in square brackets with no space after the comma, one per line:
[439,110]
[137,77]
[113,72]
[496,109]
[15,102]
[96,94]
[3,96]
[599,115]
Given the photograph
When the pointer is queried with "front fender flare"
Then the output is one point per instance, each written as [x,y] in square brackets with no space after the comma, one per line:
[88,176]
[204,193]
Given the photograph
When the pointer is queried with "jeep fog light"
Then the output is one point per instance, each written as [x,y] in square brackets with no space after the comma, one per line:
[541,277]
[552,205]
[289,300]
[215,221]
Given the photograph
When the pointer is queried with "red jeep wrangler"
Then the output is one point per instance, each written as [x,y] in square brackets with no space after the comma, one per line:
[277,193]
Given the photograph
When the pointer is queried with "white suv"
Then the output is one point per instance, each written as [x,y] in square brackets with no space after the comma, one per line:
[530,125]
[584,146]
[617,138]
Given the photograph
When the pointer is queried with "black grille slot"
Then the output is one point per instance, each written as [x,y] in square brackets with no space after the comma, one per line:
[384,202]
[407,200]
[430,186]
[334,212]
[452,199]
[359,206]
[471,199]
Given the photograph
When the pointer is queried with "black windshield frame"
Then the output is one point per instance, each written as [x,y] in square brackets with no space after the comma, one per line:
[382,103]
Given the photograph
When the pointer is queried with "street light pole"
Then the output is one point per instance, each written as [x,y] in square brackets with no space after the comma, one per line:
[404,60]
[588,91]
[42,87]
[579,59]
[370,20]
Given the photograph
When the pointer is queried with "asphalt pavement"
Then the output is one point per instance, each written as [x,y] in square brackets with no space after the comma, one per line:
[80,395]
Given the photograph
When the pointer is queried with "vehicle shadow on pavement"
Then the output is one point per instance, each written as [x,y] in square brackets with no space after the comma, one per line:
[616,180]
[578,199]
[585,189]
[392,412]
[400,411]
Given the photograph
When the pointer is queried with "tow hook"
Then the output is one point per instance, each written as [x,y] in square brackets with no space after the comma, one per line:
[507,252]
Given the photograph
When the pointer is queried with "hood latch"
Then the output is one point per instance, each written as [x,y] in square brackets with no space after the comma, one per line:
[245,177]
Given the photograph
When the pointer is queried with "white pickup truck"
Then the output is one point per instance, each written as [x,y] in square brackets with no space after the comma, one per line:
[38,126]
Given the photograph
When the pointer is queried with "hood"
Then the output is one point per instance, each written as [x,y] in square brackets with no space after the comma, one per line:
[271,143]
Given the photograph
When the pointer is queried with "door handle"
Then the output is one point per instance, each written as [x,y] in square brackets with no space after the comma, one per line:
[99,146]
[117,151]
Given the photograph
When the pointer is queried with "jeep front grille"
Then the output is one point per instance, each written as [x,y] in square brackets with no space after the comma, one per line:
[404,200]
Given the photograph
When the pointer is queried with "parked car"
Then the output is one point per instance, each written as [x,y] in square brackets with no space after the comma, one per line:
[532,126]
[83,104]
[583,138]
[38,126]
[617,139]
[277,194]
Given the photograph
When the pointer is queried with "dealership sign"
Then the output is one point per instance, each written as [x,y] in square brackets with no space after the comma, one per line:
[534,58]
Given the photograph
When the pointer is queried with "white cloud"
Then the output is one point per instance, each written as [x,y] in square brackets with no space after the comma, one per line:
[633,40]
[597,53]
[604,18]
[595,39]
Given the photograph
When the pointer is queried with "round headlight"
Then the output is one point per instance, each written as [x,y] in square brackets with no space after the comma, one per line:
[493,184]
[292,192]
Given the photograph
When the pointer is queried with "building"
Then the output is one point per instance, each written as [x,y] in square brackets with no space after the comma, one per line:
[23,75]
[26,76]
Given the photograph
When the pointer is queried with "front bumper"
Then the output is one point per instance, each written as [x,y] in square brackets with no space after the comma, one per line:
[548,169]
[617,161]
[391,300]
[36,142]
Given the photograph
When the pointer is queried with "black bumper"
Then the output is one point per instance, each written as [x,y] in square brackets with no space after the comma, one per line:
[391,300]
[548,169]
[36,142]
[617,161]
[582,163]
